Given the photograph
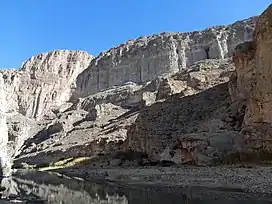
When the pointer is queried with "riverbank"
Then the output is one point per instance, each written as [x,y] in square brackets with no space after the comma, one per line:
[255,180]
[31,186]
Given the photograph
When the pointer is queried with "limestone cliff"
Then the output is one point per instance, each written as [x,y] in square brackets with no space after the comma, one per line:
[145,58]
[260,98]
[253,87]
[43,82]
[67,104]
[32,92]
[227,123]
[5,158]
[98,124]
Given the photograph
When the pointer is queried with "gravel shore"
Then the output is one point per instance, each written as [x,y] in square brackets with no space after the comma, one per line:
[255,180]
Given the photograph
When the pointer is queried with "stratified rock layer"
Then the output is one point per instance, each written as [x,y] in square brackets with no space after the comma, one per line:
[219,124]
[31,93]
[145,58]
[44,82]
[99,124]
[164,96]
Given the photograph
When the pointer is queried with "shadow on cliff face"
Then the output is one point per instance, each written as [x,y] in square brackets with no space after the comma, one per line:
[42,135]
[1,170]
[193,129]
[51,159]
[186,114]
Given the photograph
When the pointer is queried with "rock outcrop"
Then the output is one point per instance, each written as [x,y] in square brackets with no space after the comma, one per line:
[253,88]
[226,123]
[99,124]
[32,92]
[165,97]
[188,129]
[43,82]
[145,58]
[5,158]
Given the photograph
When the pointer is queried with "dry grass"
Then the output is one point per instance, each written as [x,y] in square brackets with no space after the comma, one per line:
[70,162]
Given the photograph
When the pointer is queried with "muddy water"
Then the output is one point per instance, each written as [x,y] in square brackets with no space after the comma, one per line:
[42,187]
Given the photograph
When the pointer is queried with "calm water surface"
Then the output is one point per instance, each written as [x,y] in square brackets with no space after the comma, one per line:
[42,187]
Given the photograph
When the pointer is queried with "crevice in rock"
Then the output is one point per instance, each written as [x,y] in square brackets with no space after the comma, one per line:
[207,50]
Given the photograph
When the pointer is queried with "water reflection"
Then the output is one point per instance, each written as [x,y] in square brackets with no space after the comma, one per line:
[41,187]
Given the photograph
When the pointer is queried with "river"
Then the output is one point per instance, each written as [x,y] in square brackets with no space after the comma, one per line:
[43,187]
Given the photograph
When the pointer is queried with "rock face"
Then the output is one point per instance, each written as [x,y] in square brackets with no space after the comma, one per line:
[164,98]
[44,82]
[219,124]
[188,129]
[260,98]
[4,157]
[253,75]
[99,124]
[30,93]
[145,58]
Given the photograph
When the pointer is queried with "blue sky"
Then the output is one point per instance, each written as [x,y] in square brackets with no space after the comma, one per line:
[29,27]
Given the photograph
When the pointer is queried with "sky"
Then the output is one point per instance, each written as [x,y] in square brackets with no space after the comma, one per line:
[30,27]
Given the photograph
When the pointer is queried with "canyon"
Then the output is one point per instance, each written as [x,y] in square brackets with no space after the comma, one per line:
[199,98]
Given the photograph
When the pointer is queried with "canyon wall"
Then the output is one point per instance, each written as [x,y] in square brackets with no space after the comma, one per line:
[253,87]
[260,100]
[43,82]
[31,93]
[230,122]
[66,104]
[147,57]
[4,156]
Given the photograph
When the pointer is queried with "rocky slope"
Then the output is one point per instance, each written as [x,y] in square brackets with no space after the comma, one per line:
[98,124]
[165,96]
[227,123]
[32,92]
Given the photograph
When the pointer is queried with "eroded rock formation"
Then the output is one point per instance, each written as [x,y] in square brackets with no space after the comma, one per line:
[253,74]
[220,124]
[99,124]
[43,82]
[32,92]
[165,97]
[5,158]
[145,58]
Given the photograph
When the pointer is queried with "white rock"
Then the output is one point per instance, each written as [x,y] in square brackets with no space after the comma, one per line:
[44,82]
[145,58]
[4,157]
